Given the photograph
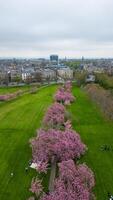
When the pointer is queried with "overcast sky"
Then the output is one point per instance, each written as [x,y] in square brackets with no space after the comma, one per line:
[71,28]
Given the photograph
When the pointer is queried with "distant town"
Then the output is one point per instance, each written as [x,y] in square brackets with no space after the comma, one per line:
[27,71]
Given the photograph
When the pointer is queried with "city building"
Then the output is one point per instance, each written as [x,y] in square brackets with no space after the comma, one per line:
[65,73]
[54,59]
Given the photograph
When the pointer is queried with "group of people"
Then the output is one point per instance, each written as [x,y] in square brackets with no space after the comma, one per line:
[110,196]
[106,147]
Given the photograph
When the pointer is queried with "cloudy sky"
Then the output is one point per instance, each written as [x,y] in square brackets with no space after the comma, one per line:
[71,28]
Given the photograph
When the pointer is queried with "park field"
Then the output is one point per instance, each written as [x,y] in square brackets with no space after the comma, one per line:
[19,120]
[95,131]
[7,90]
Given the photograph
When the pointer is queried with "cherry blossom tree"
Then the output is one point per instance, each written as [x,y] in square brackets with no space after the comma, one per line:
[64,97]
[55,116]
[68,86]
[56,144]
[53,146]
[61,148]
[74,182]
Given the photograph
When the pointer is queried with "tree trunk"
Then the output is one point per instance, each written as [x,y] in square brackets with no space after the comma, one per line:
[52,176]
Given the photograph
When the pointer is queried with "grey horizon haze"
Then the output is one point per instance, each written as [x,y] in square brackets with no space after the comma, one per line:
[71,28]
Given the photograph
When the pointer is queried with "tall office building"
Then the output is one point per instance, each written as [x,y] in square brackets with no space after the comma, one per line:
[54,59]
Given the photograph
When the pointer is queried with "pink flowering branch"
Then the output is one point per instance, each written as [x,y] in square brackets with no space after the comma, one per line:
[55,116]
[74,182]
[36,186]
[64,97]
[62,145]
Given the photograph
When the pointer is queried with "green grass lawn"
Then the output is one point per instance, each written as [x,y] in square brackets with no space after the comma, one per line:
[5,90]
[19,120]
[95,131]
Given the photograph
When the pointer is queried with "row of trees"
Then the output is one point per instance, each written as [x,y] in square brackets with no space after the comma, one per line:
[102,97]
[104,80]
[10,96]
[57,147]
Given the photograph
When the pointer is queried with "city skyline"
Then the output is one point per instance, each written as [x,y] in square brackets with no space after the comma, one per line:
[67,28]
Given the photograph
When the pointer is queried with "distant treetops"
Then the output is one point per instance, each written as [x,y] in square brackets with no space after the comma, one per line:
[57,147]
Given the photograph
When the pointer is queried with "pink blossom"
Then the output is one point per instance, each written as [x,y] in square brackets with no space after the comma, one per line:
[55,115]
[55,147]
[4,97]
[64,96]
[42,167]
[68,85]
[7,97]
[87,175]
[36,186]
[63,145]
[68,124]
[67,102]
[71,183]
